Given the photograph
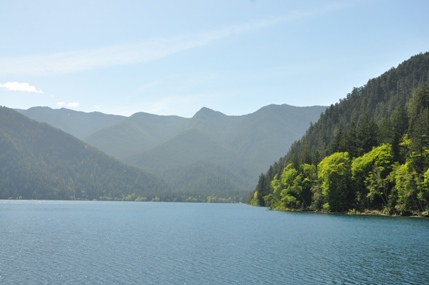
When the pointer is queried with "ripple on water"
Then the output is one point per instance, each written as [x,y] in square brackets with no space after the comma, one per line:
[164,243]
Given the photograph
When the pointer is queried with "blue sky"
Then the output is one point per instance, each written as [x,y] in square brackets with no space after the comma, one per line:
[175,57]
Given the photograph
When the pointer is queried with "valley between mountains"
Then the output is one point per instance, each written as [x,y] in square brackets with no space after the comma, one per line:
[209,155]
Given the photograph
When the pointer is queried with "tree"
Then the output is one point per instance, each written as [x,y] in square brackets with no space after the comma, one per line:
[406,184]
[309,184]
[334,173]
[272,200]
[262,189]
[370,173]
[424,193]
[366,135]
[418,110]
[291,194]
[398,128]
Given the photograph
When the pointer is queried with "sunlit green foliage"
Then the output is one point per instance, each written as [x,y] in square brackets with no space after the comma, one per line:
[334,175]
[370,176]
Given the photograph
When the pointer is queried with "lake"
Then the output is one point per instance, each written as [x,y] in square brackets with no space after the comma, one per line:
[61,242]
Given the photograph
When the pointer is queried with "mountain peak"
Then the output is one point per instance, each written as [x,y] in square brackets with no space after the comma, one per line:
[205,112]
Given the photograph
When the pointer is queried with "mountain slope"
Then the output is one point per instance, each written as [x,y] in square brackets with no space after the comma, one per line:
[236,149]
[78,124]
[379,97]
[241,145]
[38,161]
[135,134]
[371,115]
[186,148]
[262,137]
[209,178]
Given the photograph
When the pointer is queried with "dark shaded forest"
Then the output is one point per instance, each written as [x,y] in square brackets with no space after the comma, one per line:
[367,153]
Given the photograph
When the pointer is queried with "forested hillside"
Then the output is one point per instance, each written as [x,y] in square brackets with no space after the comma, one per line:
[38,161]
[369,152]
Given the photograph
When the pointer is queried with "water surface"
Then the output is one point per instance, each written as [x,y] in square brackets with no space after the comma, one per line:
[57,242]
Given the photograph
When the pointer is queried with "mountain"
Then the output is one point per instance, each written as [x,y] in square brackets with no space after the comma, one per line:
[237,148]
[38,161]
[223,153]
[369,152]
[140,132]
[78,124]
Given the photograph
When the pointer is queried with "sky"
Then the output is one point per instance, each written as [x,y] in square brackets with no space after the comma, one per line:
[175,57]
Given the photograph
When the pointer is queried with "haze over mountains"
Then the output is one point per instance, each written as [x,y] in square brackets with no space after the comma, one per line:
[38,161]
[209,157]
[210,153]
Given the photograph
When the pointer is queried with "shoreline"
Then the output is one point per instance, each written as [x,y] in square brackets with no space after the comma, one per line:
[352,213]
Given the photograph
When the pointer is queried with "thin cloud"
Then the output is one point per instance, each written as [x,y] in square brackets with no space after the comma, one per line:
[20,86]
[166,105]
[69,104]
[177,82]
[81,60]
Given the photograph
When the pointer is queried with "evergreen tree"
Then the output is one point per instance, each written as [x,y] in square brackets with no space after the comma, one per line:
[366,135]
[398,128]
[418,110]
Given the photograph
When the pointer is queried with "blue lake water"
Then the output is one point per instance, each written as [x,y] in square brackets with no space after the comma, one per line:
[58,242]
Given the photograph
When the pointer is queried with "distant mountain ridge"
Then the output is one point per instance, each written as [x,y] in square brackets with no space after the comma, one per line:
[78,124]
[209,153]
[38,161]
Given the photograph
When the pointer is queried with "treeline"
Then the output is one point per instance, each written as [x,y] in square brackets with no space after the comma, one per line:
[181,197]
[190,198]
[369,152]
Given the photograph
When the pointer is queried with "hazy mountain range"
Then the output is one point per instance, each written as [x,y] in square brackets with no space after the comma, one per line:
[38,161]
[208,153]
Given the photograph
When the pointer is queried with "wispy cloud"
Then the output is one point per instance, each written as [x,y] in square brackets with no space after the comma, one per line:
[81,60]
[168,104]
[69,104]
[20,86]
[179,82]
